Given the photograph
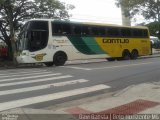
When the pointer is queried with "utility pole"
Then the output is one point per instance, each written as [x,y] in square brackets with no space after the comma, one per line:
[125,19]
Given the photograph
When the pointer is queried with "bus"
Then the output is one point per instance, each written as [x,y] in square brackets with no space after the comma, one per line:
[53,42]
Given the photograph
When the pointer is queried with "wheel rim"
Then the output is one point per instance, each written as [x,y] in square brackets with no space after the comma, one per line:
[134,55]
[60,59]
[126,56]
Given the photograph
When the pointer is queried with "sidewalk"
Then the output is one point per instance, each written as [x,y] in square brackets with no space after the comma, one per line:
[143,99]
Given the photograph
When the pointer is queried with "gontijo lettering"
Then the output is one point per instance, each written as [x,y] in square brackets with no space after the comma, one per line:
[115,40]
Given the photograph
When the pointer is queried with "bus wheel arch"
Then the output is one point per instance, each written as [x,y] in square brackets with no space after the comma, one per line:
[134,54]
[126,54]
[60,58]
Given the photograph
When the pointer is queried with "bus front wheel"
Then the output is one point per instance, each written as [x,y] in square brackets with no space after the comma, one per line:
[59,59]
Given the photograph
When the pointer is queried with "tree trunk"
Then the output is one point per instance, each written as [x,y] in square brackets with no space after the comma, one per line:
[13,43]
[14,52]
[10,55]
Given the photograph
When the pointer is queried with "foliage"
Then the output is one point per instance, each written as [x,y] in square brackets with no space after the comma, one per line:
[154,28]
[1,1]
[149,9]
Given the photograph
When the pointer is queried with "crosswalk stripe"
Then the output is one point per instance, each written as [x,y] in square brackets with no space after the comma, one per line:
[30,77]
[78,68]
[71,82]
[25,72]
[20,70]
[21,75]
[49,97]
[35,81]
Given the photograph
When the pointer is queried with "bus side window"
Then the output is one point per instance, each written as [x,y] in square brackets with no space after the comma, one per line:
[85,30]
[113,32]
[97,31]
[137,33]
[66,29]
[56,28]
[94,31]
[125,32]
[102,31]
[145,34]
[76,30]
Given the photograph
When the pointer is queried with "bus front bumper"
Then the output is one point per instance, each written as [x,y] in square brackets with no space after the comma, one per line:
[24,59]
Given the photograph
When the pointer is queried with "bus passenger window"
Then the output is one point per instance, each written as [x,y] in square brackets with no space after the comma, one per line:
[77,30]
[145,34]
[137,33]
[125,32]
[102,31]
[66,29]
[56,28]
[95,31]
[113,32]
[85,30]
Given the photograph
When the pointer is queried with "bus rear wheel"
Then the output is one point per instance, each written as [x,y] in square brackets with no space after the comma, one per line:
[59,59]
[134,55]
[126,55]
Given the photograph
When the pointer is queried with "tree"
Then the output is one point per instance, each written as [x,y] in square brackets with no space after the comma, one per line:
[154,28]
[14,12]
[1,1]
[149,9]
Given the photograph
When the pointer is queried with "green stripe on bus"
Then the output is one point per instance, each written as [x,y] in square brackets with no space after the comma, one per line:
[93,45]
[80,45]
[86,45]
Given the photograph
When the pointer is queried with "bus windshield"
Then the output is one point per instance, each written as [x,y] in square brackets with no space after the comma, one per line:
[22,38]
[33,36]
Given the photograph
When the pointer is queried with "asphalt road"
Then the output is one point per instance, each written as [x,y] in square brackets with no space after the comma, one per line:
[42,87]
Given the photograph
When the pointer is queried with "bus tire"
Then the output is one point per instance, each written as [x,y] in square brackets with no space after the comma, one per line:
[49,64]
[111,59]
[126,55]
[134,54]
[59,58]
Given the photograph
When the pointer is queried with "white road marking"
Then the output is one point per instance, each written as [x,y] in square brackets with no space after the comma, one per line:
[29,77]
[28,74]
[71,82]
[78,68]
[129,65]
[21,70]
[25,72]
[34,81]
[49,97]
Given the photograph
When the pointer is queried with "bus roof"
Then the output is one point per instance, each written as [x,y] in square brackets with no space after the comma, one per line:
[89,23]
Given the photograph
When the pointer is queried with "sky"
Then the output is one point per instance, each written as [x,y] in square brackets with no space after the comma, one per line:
[100,11]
